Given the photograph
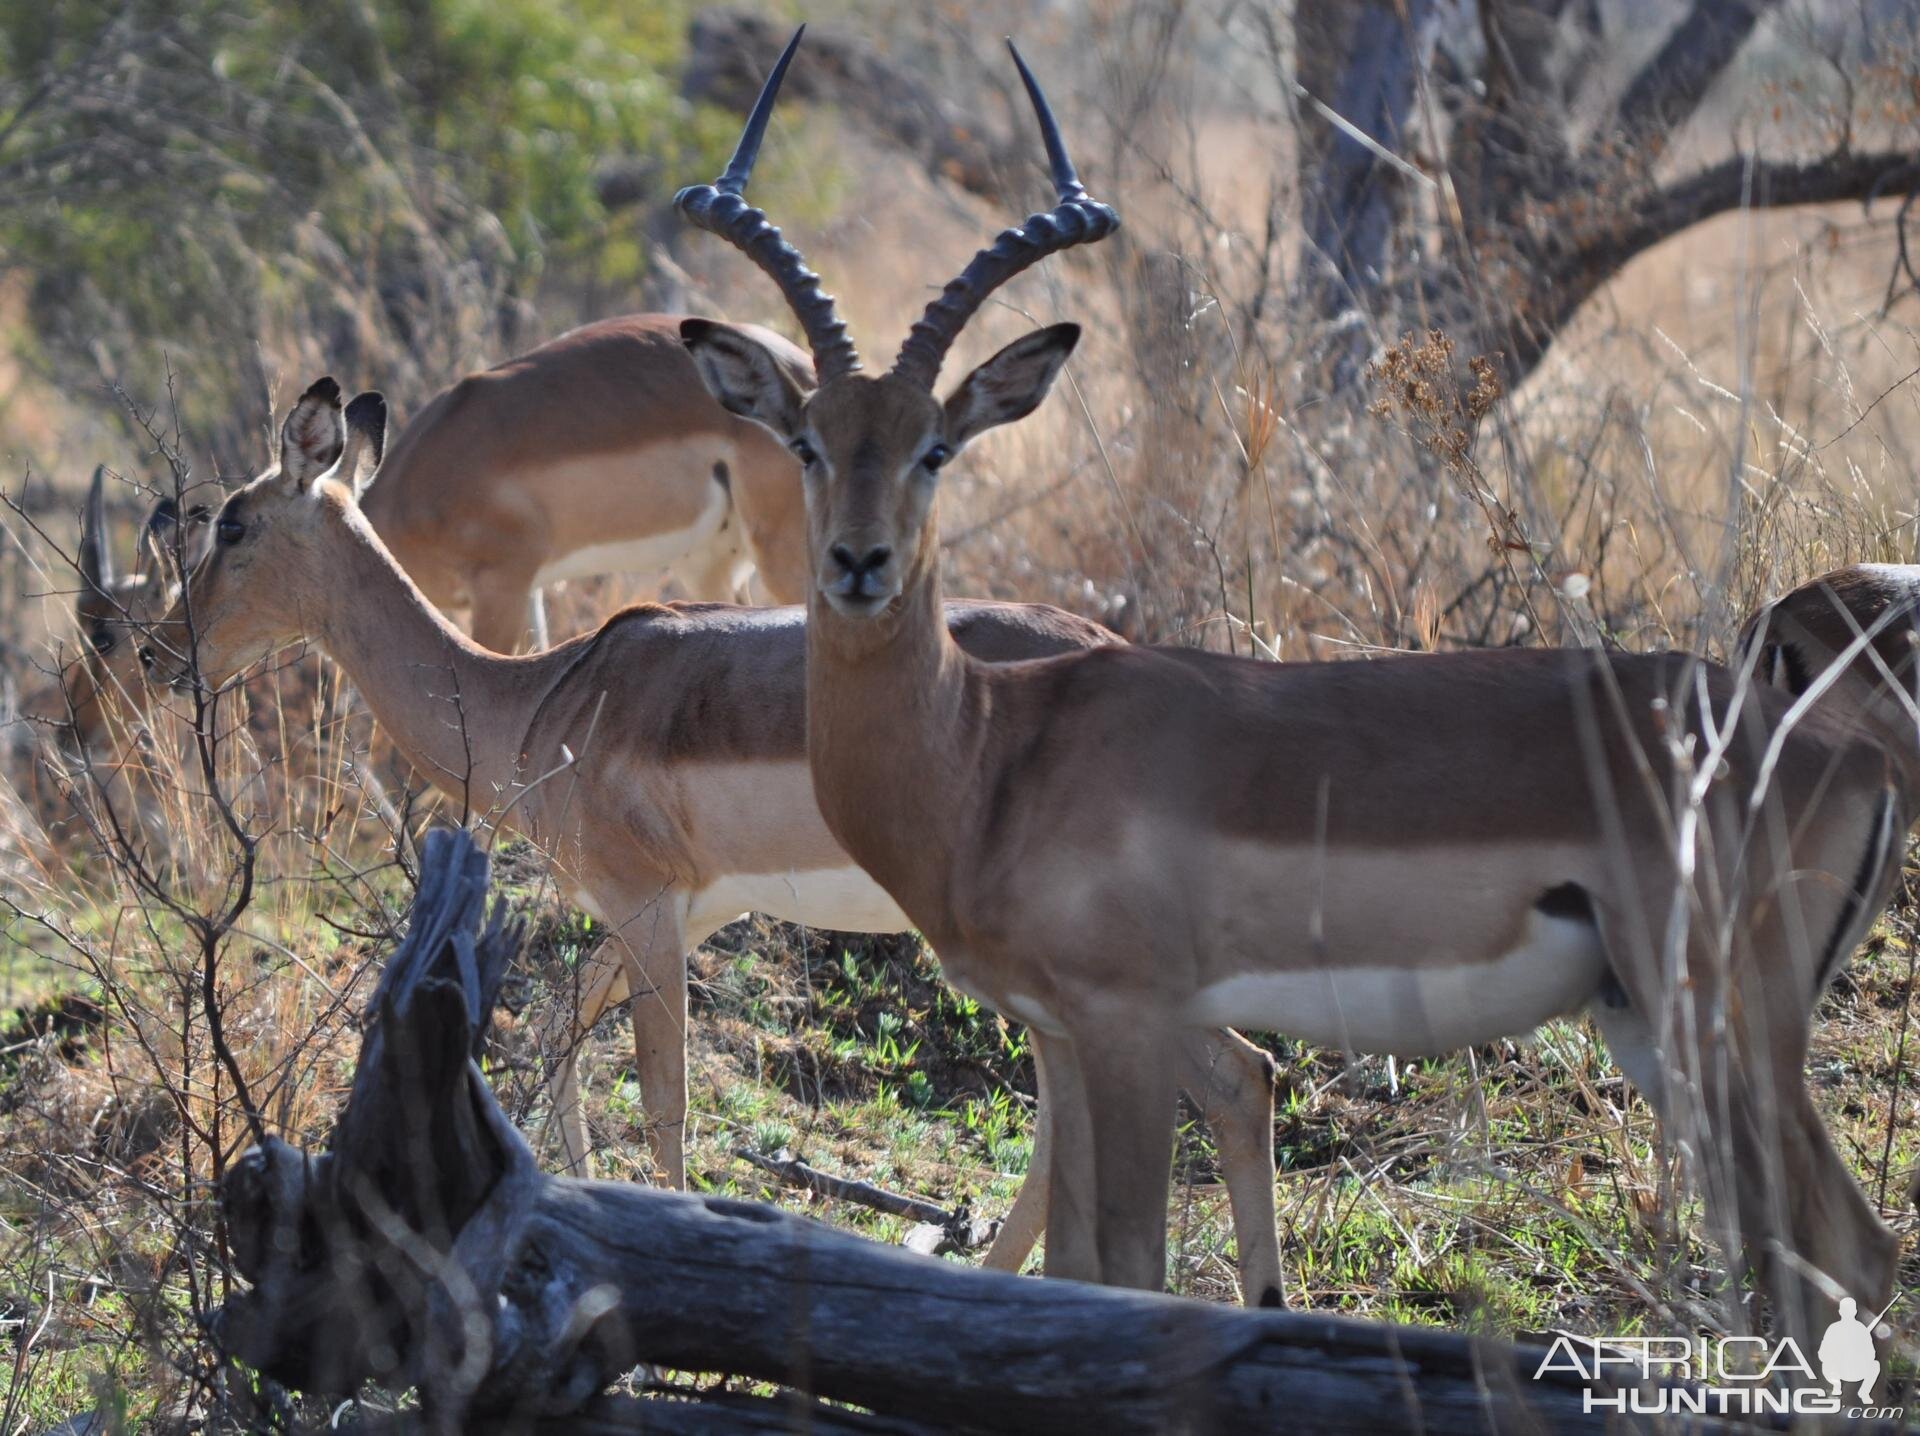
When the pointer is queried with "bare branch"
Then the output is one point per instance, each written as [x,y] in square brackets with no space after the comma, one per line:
[1672,84]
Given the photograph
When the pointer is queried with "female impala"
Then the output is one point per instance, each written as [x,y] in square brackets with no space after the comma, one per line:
[1123,844]
[77,730]
[1865,619]
[677,793]
[596,453]
[111,608]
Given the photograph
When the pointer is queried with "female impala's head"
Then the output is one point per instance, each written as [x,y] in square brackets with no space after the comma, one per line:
[1869,615]
[266,567]
[872,448]
[112,609]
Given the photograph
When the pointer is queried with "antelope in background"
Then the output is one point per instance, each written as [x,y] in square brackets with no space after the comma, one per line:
[1860,620]
[80,727]
[1123,845]
[660,762]
[599,452]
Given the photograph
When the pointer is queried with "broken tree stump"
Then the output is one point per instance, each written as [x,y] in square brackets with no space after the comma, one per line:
[426,1249]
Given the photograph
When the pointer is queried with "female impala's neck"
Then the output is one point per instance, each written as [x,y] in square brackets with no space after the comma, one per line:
[456,712]
[890,738]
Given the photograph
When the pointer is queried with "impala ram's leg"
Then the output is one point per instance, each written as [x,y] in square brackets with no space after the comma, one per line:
[1071,1205]
[1231,1082]
[1027,1218]
[657,975]
[500,608]
[1128,1078]
[601,982]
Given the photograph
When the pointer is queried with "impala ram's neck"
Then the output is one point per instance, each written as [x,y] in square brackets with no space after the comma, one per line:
[891,737]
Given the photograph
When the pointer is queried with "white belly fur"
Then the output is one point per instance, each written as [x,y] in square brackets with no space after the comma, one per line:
[845,899]
[1415,1011]
[652,554]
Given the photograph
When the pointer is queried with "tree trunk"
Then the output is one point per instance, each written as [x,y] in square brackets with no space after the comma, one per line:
[1359,59]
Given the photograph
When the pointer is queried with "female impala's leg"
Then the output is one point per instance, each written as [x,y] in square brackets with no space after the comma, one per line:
[657,979]
[643,965]
[500,608]
[718,571]
[1823,1218]
[1126,1072]
[537,620]
[1231,1082]
[600,982]
[1723,1063]
[1071,1192]
[1027,1218]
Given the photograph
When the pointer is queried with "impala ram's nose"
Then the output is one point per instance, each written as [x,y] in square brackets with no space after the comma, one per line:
[860,579]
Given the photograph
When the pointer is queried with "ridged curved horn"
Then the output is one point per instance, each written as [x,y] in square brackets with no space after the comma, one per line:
[1076,218]
[720,208]
[95,556]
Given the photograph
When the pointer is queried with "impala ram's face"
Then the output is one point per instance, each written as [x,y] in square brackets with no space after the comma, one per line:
[872,449]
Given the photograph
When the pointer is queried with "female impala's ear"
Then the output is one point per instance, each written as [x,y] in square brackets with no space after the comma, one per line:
[311,439]
[744,376]
[366,441]
[1010,385]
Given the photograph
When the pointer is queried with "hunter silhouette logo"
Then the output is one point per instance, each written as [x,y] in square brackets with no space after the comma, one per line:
[1727,1375]
[1846,1352]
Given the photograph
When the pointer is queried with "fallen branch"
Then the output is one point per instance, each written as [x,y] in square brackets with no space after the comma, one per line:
[938,1231]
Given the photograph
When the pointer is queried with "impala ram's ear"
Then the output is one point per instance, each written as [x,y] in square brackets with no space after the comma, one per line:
[1010,385]
[95,556]
[745,378]
[366,441]
[311,439]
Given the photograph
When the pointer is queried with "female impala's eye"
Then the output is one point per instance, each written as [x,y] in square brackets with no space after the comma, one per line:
[101,637]
[804,452]
[230,530]
[935,457]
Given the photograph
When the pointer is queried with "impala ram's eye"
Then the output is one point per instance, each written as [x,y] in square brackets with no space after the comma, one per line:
[230,530]
[804,452]
[935,457]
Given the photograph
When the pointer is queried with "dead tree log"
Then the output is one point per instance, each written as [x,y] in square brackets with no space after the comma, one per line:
[427,1250]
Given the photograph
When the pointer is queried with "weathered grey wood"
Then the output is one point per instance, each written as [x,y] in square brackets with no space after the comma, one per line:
[937,1230]
[428,1249]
